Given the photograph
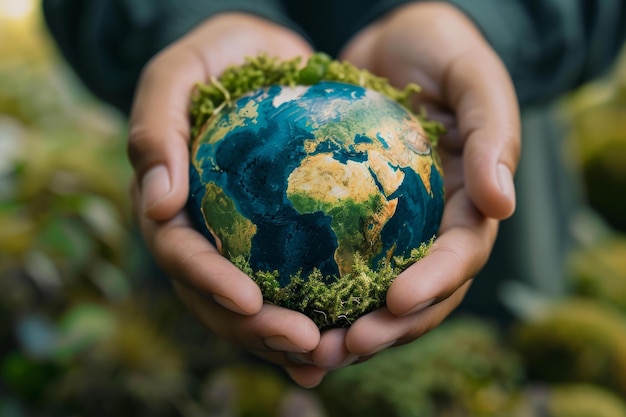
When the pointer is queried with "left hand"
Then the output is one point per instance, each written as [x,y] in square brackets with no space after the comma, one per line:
[226,301]
[465,86]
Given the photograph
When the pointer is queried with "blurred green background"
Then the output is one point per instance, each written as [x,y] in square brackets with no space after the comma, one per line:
[84,330]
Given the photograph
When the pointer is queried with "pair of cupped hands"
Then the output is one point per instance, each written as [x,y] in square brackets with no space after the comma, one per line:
[465,86]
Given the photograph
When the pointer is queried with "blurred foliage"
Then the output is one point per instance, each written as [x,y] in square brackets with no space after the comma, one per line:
[578,340]
[597,113]
[599,271]
[88,328]
[459,369]
[585,401]
[74,333]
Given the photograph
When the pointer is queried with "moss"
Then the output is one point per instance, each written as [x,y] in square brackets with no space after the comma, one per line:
[331,302]
[459,369]
[578,340]
[244,391]
[604,176]
[599,271]
[264,71]
[584,401]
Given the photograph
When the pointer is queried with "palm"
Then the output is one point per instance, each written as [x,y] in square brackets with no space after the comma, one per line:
[466,88]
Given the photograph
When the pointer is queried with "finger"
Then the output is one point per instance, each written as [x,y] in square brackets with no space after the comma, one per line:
[331,353]
[187,256]
[306,376]
[456,256]
[271,330]
[159,132]
[478,88]
[358,50]
[380,329]
[457,70]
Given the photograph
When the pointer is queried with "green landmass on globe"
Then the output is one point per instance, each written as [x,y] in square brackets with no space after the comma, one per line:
[315,180]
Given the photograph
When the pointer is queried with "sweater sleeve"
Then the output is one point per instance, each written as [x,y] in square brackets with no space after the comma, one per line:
[107,42]
[548,46]
[551,46]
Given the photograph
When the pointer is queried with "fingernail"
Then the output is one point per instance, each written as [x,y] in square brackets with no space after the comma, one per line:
[154,186]
[281,343]
[505,179]
[228,304]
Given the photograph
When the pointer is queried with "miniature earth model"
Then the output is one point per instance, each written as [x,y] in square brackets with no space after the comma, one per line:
[304,178]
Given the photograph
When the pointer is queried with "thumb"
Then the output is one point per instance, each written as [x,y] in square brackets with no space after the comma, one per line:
[159,134]
[481,92]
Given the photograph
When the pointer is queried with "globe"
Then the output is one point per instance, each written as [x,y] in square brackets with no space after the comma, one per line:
[308,178]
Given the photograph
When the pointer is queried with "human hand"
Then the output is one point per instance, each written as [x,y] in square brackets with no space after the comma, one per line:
[466,87]
[222,297]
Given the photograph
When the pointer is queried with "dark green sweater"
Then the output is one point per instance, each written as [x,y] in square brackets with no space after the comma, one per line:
[549,46]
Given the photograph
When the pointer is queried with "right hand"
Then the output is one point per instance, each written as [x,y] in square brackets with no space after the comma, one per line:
[224,299]
[467,87]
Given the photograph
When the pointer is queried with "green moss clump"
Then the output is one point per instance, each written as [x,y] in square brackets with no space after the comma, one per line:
[264,71]
[584,401]
[336,303]
[599,271]
[245,391]
[578,340]
[461,368]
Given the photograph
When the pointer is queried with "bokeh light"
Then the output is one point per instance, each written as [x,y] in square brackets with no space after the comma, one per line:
[17,9]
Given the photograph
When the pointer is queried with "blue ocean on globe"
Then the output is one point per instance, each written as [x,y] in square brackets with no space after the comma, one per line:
[307,177]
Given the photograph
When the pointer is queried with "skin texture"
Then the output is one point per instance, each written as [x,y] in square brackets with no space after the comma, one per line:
[466,87]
